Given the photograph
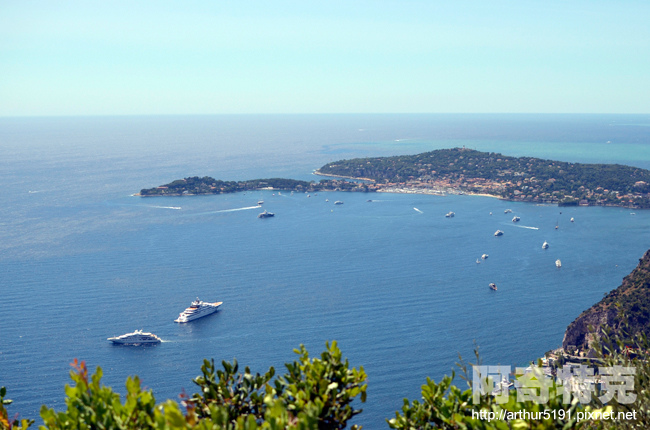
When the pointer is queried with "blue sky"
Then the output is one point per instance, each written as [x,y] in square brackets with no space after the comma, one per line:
[115,57]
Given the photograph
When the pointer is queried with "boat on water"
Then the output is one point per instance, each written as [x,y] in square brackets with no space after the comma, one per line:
[502,387]
[138,337]
[484,256]
[507,211]
[450,215]
[196,310]
[516,219]
[493,286]
[498,233]
[478,261]
[338,202]
[266,214]
[545,245]
[261,202]
[572,220]
[558,263]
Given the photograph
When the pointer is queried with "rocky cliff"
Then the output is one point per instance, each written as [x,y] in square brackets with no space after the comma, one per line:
[630,301]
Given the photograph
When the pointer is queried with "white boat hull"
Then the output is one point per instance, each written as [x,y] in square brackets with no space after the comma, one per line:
[138,337]
[205,310]
[132,342]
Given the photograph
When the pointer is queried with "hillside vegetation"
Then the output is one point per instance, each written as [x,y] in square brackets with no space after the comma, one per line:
[455,170]
[515,178]
[627,305]
[207,185]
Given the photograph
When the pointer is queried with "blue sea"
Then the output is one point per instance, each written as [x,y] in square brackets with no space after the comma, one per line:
[392,280]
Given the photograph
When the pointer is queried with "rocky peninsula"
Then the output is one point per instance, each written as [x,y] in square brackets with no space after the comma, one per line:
[193,186]
[455,171]
[528,179]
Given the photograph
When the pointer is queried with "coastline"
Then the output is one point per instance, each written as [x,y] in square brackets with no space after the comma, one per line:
[517,179]
[430,186]
[405,189]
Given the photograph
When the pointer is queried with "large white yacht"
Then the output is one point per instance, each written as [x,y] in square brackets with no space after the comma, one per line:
[138,337]
[196,310]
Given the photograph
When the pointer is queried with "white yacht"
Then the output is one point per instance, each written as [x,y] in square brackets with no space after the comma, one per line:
[516,219]
[507,211]
[450,215]
[558,263]
[545,245]
[338,202]
[493,286]
[484,256]
[196,310]
[572,220]
[498,233]
[138,337]
[502,387]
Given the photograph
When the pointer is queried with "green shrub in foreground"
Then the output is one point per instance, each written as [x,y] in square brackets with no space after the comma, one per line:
[317,393]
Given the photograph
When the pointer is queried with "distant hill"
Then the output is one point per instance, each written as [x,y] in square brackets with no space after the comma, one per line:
[207,185]
[455,170]
[633,296]
[513,178]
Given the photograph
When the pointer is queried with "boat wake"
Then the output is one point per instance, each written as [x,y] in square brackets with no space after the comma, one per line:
[418,210]
[235,210]
[525,226]
[167,207]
